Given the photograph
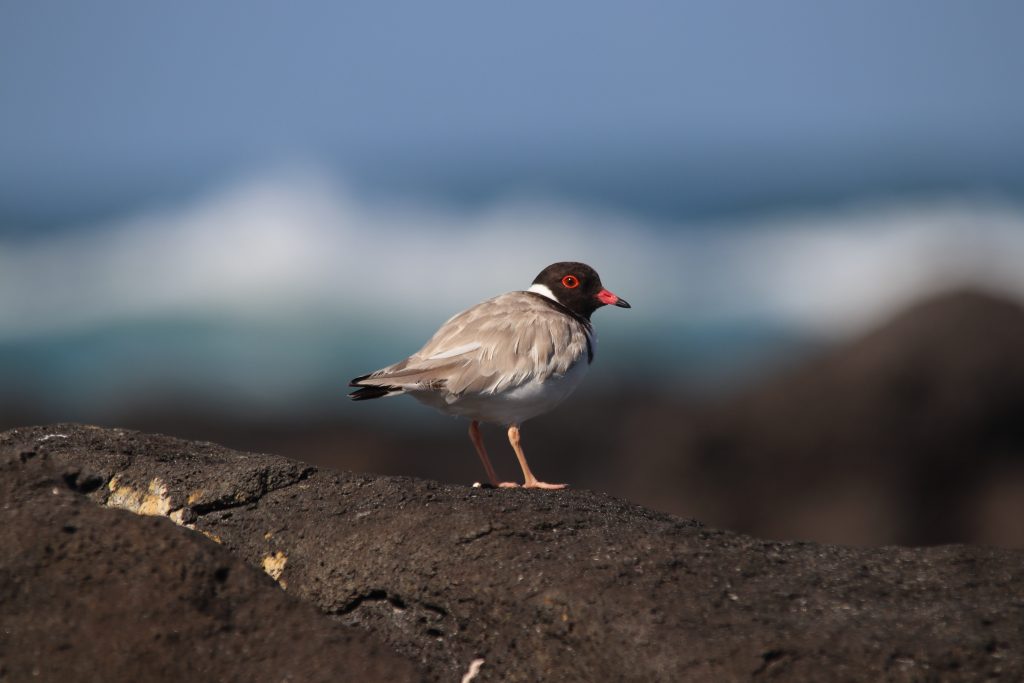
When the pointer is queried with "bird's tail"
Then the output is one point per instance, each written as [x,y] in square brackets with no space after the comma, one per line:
[367,391]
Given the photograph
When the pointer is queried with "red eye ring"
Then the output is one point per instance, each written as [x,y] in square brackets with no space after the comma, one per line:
[570,281]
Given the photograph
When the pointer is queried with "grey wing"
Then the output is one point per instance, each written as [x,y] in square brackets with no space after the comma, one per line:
[496,345]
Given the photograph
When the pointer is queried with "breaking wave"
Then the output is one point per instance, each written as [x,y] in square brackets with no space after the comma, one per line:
[287,244]
[294,265]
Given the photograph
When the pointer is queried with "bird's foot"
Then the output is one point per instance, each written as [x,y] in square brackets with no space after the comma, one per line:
[542,485]
[508,485]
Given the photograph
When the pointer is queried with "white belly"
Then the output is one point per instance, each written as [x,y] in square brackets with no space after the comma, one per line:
[513,406]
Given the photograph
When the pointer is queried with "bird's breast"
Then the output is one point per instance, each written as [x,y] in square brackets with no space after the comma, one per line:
[515,404]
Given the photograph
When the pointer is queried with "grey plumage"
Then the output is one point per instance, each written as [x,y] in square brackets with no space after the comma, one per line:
[496,346]
[505,360]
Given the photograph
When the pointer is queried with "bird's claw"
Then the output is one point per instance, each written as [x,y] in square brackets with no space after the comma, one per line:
[543,485]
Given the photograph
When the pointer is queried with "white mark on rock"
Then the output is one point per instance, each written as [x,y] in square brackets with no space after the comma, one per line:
[474,669]
[52,436]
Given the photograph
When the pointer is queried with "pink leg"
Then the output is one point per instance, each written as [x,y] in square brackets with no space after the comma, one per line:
[529,481]
[478,443]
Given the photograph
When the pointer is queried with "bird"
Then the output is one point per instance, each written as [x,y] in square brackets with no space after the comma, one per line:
[505,360]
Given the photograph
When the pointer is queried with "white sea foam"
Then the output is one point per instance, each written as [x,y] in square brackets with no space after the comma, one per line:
[296,244]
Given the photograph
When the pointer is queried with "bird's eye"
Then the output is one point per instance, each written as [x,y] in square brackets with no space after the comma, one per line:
[571,281]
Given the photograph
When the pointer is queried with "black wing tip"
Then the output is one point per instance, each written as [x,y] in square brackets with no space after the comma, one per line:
[366,393]
[355,381]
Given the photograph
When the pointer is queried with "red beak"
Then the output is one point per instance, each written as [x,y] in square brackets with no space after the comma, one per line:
[609,299]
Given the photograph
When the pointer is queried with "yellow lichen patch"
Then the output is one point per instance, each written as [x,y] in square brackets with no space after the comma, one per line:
[154,501]
[178,517]
[210,535]
[196,496]
[273,565]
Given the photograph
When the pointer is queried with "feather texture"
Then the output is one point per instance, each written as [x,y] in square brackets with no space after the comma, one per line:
[494,347]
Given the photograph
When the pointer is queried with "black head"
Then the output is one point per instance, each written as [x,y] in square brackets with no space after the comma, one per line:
[576,286]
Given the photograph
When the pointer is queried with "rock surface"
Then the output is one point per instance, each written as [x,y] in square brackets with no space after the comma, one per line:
[94,594]
[568,585]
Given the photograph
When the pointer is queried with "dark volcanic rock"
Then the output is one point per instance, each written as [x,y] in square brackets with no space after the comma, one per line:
[567,585]
[94,594]
[911,434]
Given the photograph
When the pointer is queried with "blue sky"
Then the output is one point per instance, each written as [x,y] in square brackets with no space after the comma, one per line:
[678,108]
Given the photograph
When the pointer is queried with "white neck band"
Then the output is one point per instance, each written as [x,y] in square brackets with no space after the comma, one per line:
[543,291]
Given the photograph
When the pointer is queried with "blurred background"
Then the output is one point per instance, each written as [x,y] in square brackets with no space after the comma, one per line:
[213,215]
